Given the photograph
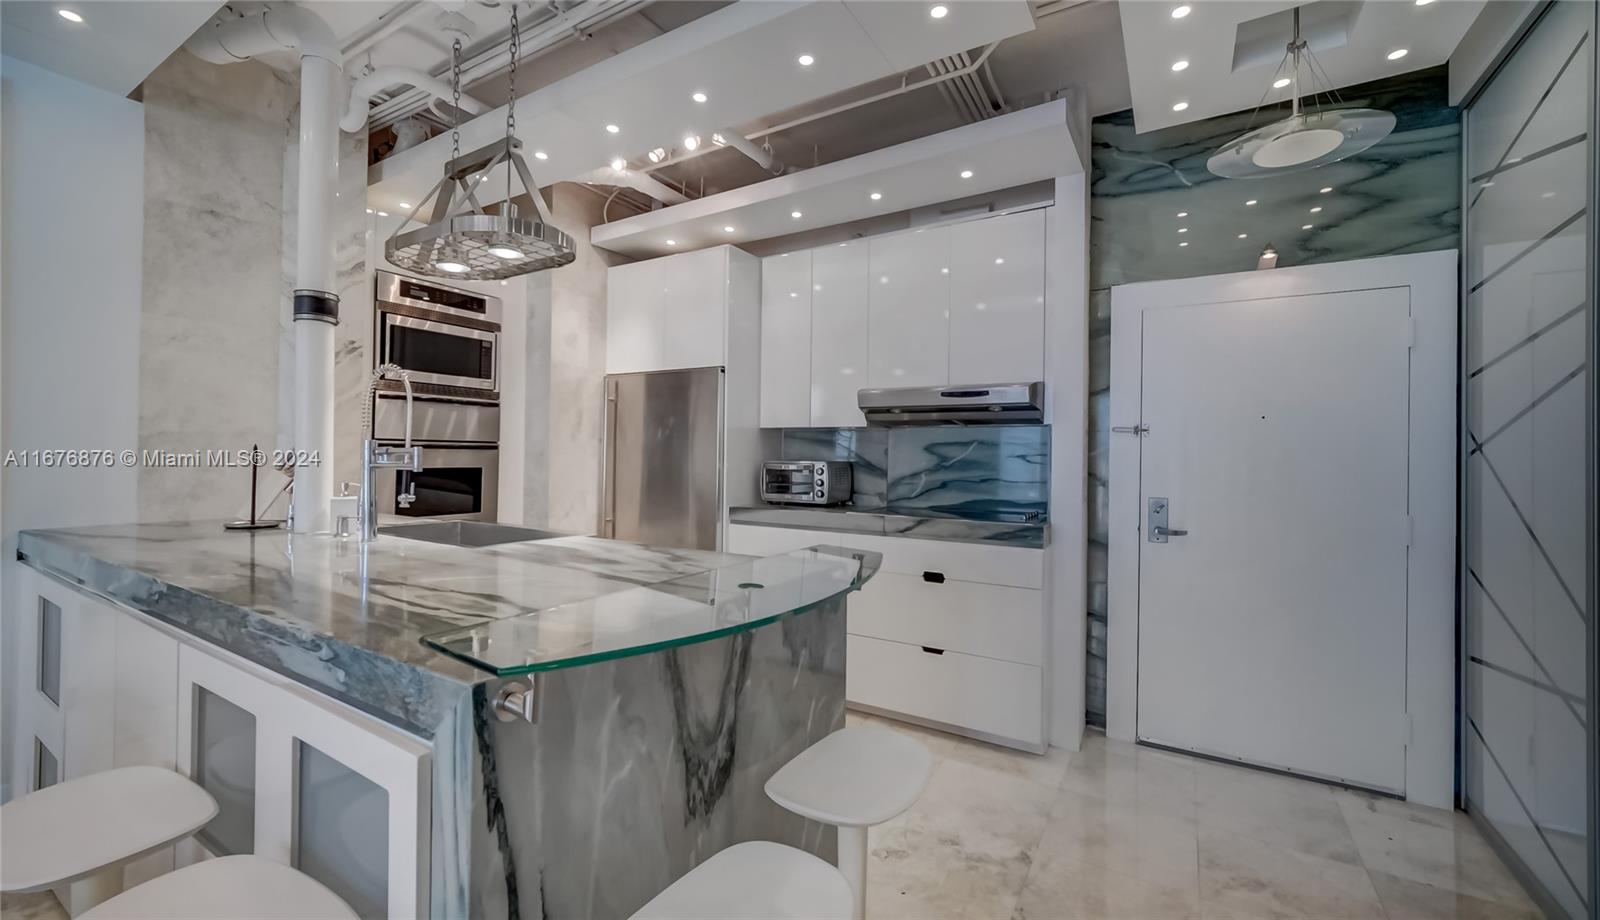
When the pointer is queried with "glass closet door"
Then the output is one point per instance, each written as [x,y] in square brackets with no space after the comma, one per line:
[1529,547]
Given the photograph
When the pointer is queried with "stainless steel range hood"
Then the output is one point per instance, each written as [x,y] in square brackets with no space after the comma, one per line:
[987,404]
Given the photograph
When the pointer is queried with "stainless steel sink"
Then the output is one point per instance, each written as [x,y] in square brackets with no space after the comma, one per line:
[466,533]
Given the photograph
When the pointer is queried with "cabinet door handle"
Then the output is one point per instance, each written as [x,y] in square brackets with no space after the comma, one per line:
[933,577]
[933,651]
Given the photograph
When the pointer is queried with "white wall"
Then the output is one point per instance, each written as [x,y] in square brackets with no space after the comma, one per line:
[71,157]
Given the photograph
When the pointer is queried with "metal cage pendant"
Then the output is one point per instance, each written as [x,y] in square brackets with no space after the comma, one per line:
[463,240]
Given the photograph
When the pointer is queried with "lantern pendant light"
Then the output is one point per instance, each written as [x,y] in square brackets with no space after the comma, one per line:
[461,238]
[1304,140]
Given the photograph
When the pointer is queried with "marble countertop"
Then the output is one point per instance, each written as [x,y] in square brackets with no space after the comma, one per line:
[355,622]
[844,519]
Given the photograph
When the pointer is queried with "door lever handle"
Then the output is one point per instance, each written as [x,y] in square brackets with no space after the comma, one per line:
[1167,532]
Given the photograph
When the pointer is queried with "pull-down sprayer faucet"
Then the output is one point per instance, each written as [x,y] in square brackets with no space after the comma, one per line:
[376,456]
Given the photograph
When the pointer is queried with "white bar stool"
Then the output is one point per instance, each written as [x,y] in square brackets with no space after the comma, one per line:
[757,880]
[226,888]
[854,778]
[88,828]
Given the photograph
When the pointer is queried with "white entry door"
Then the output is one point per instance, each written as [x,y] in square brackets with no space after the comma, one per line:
[1274,630]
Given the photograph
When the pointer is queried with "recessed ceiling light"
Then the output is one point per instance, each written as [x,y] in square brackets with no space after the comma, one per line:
[806,60]
[1179,106]
[1180,12]
[875,196]
[698,97]
[966,174]
[793,293]
[1183,213]
[540,155]
[383,213]
[1243,235]
[1325,189]
[796,215]
[406,205]
[1317,210]
[1179,66]
[1423,2]
[1548,195]
[728,229]
[69,15]
[612,129]
[672,242]
[369,210]
[619,164]
[1183,229]
[691,142]
[939,11]
[1185,243]
[1251,203]
[1397,54]
[999,261]
[1280,83]
[1305,226]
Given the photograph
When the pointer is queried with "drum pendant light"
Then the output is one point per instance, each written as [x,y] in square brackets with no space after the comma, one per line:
[1306,139]
[461,238]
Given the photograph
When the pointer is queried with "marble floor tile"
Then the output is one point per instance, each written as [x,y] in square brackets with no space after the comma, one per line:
[1149,781]
[1095,834]
[1245,878]
[40,905]
[1296,814]
[918,872]
[1058,888]
[1427,845]
[1404,899]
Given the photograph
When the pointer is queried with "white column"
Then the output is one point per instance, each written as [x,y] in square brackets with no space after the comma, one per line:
[314,273]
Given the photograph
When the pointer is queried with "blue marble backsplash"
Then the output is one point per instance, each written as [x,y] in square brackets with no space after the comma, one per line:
[989,473]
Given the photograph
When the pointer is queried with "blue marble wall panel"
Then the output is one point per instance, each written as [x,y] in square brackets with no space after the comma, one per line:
[985,473]
[1402,195]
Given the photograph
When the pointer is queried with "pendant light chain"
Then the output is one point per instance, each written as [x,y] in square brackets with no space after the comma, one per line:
[455,99]
[511,98]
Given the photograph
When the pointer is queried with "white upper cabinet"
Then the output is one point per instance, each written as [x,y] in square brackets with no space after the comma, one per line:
[786,357]
[997,299]
[839,335]
[909,331]
[667,313]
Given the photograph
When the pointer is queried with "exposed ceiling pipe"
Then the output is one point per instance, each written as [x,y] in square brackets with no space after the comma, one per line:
[393,20]
[761,155]
[286,27]
[355,114]
[902,89]
[551,32]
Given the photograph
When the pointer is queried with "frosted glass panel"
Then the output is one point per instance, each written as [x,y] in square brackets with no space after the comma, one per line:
[1529,258]
[46,769]
[50,650]
[342,832]
[225,762]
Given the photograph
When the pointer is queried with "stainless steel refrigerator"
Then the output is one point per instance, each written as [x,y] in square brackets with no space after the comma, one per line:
[662,478]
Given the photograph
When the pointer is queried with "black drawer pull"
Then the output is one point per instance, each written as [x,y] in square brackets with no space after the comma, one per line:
[933,651]
[934,577]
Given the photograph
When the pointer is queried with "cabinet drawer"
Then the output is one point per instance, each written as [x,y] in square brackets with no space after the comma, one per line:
[990,565]
[962,616]
[1000,699]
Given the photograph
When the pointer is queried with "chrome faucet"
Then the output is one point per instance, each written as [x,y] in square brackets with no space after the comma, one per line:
[376,456]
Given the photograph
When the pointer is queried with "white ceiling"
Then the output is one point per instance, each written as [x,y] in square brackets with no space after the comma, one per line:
[1207,37]
[1001,152]
[744,57]
[115,47]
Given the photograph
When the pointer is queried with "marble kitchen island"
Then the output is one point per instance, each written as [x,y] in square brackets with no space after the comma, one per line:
[576,721]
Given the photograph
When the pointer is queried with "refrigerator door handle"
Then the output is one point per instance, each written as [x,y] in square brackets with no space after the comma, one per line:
[608,492]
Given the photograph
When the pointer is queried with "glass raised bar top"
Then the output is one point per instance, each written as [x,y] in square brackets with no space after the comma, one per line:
[694,608]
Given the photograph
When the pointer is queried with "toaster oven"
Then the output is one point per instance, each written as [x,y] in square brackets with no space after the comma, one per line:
[805,482]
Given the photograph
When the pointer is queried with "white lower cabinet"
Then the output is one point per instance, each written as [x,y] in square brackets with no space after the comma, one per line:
[946,633]
[301,780]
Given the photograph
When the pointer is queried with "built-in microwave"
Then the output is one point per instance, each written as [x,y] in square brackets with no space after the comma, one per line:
[447,338]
